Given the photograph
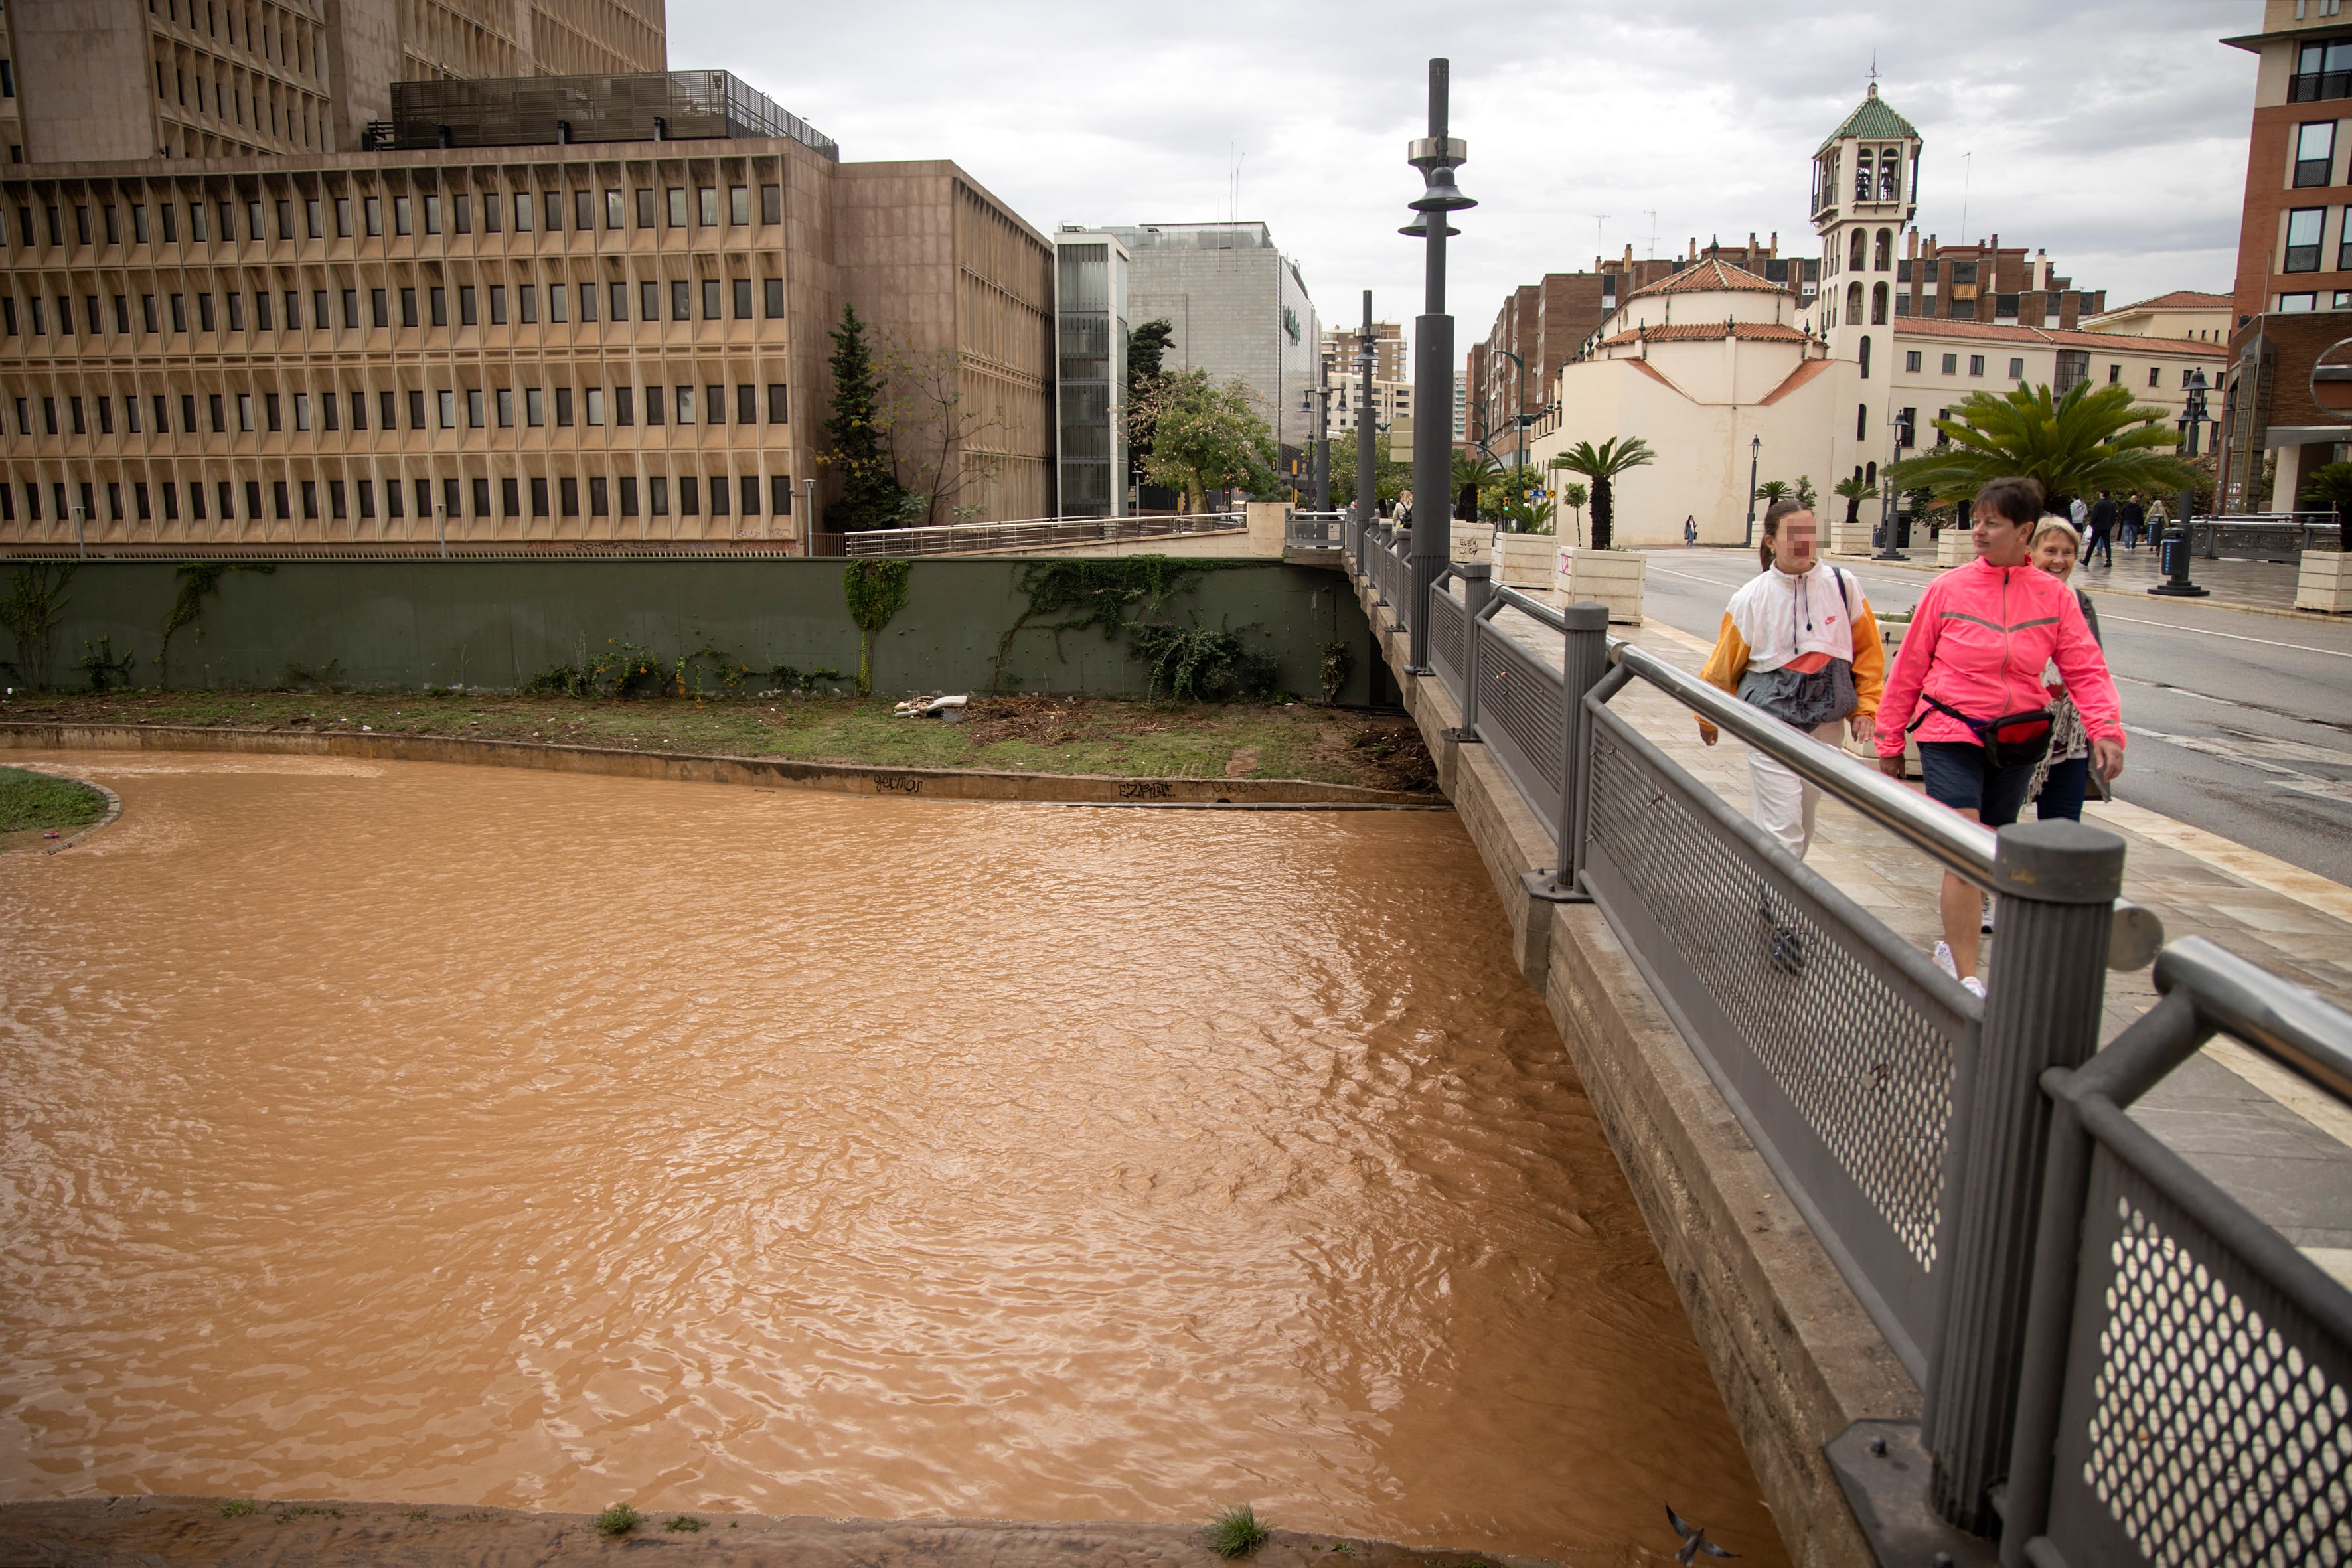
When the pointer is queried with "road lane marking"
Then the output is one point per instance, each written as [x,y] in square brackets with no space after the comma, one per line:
[2233,636]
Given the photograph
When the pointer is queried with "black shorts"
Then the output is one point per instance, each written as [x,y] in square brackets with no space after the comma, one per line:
[1956,776]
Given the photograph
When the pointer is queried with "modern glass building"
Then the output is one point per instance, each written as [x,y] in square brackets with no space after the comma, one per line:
[1090,392]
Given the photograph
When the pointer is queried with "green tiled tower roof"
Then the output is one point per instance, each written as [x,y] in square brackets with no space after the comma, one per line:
[1874,120]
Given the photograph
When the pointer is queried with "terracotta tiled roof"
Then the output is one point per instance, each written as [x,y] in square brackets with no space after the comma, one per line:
[2179,299]
[2110,343]
[1873,120]
[1707,331]
[1713,276]
[1805,372]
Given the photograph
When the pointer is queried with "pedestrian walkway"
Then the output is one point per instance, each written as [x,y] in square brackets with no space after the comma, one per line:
[2279,1147]
[2234,583]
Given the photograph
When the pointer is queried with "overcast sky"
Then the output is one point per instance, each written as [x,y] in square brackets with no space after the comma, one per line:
[2111,134]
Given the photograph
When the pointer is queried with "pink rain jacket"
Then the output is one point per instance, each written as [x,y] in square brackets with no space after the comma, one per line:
[1979,641]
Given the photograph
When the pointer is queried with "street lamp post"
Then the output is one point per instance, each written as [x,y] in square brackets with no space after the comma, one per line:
[1322,434]
[1436,155]
[1755,456]
[1367,497]
[1888,549]
[2178,540]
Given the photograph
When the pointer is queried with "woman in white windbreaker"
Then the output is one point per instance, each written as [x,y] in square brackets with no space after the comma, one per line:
[1799,642]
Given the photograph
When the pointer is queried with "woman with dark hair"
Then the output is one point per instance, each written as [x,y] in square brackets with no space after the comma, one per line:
[1968,679]
[1798,641]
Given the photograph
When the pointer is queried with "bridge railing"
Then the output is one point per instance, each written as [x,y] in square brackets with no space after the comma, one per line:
[1312,530]
[1906,1118]
[1039,534]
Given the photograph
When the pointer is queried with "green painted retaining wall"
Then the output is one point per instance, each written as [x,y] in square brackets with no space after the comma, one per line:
[497,623]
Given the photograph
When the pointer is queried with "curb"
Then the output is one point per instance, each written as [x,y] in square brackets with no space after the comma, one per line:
[838,778]
[113,807]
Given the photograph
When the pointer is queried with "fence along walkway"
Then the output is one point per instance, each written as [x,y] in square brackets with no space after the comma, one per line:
[1909,1123]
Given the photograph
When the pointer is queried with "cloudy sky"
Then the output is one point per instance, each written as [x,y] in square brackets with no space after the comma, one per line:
[2112,134]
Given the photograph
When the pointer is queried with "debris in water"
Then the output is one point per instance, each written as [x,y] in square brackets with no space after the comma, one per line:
[1694,1539]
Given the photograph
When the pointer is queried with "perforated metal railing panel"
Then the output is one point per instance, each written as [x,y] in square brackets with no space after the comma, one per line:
[1519,718]
[1827,1037]
[1449,623]
[2206,1419]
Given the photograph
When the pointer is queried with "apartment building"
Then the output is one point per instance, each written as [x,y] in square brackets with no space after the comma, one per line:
[103,80]
[2294,261]
[542,341]
[1389,402]
[1342,344]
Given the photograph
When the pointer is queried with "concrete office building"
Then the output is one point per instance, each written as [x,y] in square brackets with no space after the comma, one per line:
[1240,310]
[1090,390]
[106,80]
[539,341]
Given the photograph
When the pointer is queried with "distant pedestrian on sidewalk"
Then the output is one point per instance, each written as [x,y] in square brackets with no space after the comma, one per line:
[1690,529]
[2062,778]
[2131,516]
[2101,539]
[1799,642]
[1968,679]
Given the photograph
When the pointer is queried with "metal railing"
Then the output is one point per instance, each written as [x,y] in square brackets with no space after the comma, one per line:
[1312,530]
[1906,1118]
[1039,533]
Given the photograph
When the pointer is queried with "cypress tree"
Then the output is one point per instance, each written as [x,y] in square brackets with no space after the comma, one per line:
[871,495]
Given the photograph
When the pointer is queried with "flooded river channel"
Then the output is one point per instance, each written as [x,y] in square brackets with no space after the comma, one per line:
[405,1132]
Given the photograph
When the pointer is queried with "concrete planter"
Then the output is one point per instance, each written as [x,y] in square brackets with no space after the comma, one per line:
[1955,548]
[1524,559]
[1610,577]
[2324,583]
[1850,541]
[1473,542]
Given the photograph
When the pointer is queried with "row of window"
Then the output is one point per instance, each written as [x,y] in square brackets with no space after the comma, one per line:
[1912,359]
[343,498]
[2306,241]
[274,311]
[678,405]
[451,212]
[295,48]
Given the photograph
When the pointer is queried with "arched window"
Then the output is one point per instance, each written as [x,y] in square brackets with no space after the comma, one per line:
[1862,421]
[1861,176]
[1870,473]
[1866,356]
[1884,251]
[1854,303]
[1854,251]
[1878,304]
[1890,175]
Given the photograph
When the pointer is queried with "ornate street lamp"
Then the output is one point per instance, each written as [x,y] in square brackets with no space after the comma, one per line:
[1436,155]
[1755,455]
[2176,539]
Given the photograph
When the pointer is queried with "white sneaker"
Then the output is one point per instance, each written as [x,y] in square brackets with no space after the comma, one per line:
[1976,986]
[1944,960]
[1986,923]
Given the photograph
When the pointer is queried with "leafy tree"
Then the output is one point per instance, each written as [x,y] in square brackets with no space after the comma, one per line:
[1392,477]
[1603,464]
[2330,486]
[1147,348]
[859,432]
[875,591]
[1203,437]
[2092,439]
[1804,494]
[1854,492]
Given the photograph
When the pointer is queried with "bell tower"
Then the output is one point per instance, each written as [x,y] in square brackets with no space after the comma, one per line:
[1865,190]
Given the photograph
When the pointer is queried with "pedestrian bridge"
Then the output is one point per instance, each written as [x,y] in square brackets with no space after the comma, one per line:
[1961,1304]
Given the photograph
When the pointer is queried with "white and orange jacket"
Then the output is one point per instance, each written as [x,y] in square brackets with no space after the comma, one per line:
[1776,621]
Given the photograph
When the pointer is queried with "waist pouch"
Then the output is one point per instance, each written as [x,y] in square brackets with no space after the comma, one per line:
[2013,740]
[1808,700]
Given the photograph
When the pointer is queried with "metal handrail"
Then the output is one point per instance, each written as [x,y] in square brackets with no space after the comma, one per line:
[1535,609]
[2303,1033]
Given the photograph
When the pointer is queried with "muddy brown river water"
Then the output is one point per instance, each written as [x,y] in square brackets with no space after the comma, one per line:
[423,1132]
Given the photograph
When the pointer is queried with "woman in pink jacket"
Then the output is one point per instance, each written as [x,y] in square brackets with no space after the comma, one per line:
[1968,681]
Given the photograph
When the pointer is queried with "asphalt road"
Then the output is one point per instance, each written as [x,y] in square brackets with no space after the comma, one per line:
[2239,724]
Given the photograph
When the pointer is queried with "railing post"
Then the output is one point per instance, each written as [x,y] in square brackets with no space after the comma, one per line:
[1477,592]
[1585,660]
[2054,887]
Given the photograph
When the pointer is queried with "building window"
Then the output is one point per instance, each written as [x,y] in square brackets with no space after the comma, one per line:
[2155,377]
[1878,304]
[707,206]
[777,407]
[1911,360]
[401,219]
[2315,153]
[2115,374]
[1883,249]
[773,303]
[551,205]
[1864,356]
[448,409]
[2017,370]
[771,203]
[2321,71]
[1951,365]
[465,305]
[1854,251]
[2296,303]
[738,204]
[2303,226]
[525,213]
[1976,365]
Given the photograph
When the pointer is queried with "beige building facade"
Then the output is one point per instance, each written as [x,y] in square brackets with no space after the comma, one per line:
[2183,313]
[549,344]
[107,80]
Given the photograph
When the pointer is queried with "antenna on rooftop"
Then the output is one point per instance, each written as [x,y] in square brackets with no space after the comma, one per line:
[1967,167]
[1598,219]
[1654,229]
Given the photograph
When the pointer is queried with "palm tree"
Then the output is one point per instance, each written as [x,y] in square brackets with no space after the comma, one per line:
[2091,439]
[1854,492]
[1771,491]
[1472,476]
[1602,464]
[1574,496]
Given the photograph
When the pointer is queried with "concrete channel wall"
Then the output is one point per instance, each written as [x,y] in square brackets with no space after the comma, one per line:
[1793,1353]
[495,624]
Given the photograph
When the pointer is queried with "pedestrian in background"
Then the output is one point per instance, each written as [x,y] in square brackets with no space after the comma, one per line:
[2101,539]
[2131,515]
[1968,679]
[1799,642]
[1690,529]
[2062,778]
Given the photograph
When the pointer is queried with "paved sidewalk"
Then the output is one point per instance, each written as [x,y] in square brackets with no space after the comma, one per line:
[2239,584]
[2282,1148]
